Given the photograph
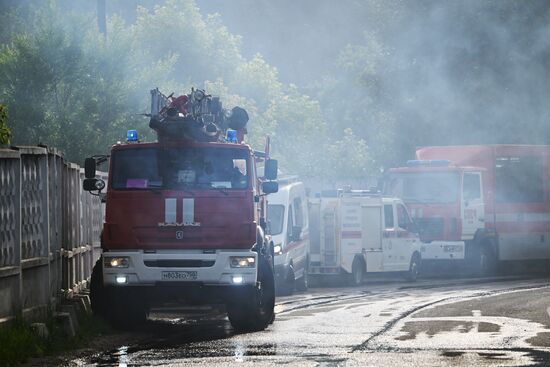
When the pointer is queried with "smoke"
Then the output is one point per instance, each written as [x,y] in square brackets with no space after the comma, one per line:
[453,72]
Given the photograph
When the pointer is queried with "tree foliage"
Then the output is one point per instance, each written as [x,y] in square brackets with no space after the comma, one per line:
[5,132]
[65,84]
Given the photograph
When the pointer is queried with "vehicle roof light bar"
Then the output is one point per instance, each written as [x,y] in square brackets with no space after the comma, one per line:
[428,163]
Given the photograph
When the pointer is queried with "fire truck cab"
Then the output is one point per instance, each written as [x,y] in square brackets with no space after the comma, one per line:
[446,203]
[185,217]
[357,232]
[501,210]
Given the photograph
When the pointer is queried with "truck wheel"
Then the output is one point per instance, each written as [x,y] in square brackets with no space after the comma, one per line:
[414,268]
[128,309]
[357,272]
[486,261]
[255,310]
[98,293]
[303,283]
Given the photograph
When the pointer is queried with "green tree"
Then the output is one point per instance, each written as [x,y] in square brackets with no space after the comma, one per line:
[5,132]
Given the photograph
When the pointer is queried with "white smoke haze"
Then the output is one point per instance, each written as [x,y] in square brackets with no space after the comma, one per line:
[389,75]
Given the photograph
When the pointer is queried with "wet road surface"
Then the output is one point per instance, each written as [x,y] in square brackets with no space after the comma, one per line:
[474,322]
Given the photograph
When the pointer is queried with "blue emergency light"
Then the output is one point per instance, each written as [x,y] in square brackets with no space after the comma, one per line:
[132,135]
[231,135]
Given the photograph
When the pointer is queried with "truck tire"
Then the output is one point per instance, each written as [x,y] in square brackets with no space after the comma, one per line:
[486,265]
[119,307]
[254,311]
[414,268]
[98,294]
[357,272]
[302,284]
[128,309]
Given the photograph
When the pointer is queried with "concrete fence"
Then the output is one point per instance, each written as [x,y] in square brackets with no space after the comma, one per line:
[49,231]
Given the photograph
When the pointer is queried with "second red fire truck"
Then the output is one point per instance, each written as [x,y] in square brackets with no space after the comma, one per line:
[482,204]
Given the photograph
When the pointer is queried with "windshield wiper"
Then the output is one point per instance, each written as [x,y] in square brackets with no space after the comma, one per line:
[219,189]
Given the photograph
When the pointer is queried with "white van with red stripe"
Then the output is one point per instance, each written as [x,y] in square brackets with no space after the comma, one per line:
[289,229]
[357,232]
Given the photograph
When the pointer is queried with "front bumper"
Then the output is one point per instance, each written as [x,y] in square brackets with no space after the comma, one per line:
[161,267]
[443,250]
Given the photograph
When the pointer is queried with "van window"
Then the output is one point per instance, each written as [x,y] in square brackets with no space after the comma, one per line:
[298,213]
[276,216]
[289,224]
[518,180]
[388,216]
[471,186]
[403,220]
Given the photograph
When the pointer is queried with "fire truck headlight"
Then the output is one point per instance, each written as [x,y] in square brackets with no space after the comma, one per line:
[242,262]
[237,279]
[116,262]
[278,249]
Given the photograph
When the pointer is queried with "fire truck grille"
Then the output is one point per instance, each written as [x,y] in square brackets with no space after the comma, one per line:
[179,263]
[430,227]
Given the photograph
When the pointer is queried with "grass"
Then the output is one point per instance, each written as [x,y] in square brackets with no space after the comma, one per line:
[19,342]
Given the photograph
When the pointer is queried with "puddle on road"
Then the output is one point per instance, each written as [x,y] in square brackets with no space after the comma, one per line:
[136,356]
[432,328]
[451,354]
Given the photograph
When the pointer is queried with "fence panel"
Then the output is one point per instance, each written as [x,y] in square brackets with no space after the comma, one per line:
[49,229]
[10,232]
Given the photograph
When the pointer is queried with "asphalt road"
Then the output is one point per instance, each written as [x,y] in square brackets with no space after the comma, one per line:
[474,322]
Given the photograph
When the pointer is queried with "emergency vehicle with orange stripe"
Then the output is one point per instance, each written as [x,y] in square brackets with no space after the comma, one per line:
[357,232]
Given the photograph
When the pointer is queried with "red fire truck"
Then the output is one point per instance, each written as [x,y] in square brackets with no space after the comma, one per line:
[185,217]
[482,204]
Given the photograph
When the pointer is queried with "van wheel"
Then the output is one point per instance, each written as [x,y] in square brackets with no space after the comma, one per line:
[302,284]
[254,309]
[357,272]
[414,268]
[286,287]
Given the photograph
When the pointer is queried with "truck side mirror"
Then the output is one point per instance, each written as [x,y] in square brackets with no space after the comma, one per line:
[270,170]
[89,168]
[93,184]
[270,187]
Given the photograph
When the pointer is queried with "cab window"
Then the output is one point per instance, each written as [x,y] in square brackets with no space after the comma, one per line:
[388,216]
[403,220]
[472,186]
[298,212]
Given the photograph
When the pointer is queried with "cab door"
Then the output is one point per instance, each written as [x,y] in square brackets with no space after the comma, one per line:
[389,238]
[371,237]
[472,208]
[405,241]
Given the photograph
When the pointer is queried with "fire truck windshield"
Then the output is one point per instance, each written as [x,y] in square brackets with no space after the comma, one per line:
[180,168]
[425,187]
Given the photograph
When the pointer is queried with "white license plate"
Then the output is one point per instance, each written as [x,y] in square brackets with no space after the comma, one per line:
[179,275]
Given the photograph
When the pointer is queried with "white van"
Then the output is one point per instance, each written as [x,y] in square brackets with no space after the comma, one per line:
[289,229]
[357,232]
